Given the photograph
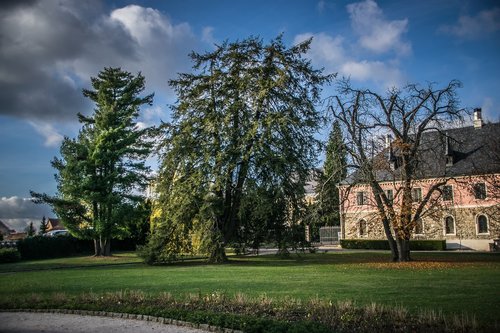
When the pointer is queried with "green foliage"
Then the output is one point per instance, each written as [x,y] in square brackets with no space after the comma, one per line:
[40,247]
[100,171]
[30,230]
[43,226]
[9,255]
[257,315]
[334,171]
[244,124]
[374,244]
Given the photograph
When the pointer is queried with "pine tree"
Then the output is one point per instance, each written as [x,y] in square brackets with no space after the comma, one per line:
[102,171]
[30,230]
[334,171]
[43,226]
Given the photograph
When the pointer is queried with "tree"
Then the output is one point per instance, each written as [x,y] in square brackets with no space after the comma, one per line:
[43,226]
[244,122]
[30,230]
[407,115]
[102,172]
[334,171]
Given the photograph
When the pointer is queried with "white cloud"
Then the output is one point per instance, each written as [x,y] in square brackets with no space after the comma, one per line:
[470,27]
[18,212]
[489,111]
[72,41]
[48,132]
[207,35]
[383,74]
[375,32]
[330,52]
[325,49]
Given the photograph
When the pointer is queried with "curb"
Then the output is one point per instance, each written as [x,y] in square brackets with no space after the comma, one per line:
[161,320]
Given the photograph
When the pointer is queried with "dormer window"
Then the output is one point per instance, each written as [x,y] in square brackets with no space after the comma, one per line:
[479,191]
[447,192]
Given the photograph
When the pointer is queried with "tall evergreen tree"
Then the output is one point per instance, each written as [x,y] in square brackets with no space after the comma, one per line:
[102,171]
[334,171]
[245,117]
[30,230]
[43,226]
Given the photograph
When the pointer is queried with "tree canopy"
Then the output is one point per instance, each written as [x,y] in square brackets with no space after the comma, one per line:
[101,173]
[404,116]
[243,127]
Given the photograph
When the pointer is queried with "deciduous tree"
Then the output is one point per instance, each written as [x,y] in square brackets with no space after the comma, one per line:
[407,115]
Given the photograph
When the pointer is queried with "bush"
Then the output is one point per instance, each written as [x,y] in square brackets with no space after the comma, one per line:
[9,255]
[40,247]
[379,244]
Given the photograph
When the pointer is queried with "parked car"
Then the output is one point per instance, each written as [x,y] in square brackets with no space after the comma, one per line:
[55,233]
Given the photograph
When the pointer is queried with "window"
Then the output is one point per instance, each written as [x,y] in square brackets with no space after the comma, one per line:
[390,195]
[419,227]
[482,224]
[362,228]
[449,225]
[447,192]
[361,198]
[480,191]
[416,194]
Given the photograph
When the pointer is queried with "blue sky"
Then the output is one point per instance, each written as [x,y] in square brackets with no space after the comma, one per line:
[49,49]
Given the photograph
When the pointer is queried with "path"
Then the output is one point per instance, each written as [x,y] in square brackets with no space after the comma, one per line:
[29,322]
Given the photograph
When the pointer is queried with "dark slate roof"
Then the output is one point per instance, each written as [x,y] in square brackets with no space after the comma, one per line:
[474,151]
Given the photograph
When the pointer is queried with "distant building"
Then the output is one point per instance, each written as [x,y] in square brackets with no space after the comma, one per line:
[5,230]
[466,214]
[54,224]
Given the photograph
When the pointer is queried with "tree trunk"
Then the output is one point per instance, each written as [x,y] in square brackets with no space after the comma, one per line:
[403,249]
[105,247]
[390,239]
[97,248]
[218,254]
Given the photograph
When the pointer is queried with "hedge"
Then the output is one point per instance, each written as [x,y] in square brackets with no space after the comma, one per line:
[9,255]
[40,247]
[379,244]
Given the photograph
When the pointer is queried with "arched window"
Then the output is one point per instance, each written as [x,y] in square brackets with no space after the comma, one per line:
[449,225]
[362,228]
[482,224]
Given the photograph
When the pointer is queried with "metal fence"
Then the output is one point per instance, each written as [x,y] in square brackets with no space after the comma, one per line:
[329,235]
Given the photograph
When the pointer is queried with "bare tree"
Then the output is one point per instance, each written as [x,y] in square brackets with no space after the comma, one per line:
[405,116]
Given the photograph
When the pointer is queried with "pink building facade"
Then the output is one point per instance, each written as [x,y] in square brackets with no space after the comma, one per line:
[465,211]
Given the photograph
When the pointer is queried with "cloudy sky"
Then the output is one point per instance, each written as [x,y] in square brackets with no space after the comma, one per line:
[49,49]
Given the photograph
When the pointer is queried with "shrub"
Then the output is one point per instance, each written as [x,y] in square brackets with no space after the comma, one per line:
[379,244]
[40,247]
[9,255]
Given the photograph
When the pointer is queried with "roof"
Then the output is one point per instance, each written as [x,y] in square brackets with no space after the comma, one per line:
[54,224]
[5,229]
[463,151]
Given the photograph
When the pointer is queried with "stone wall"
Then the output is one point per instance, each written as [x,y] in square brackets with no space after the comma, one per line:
[465,224]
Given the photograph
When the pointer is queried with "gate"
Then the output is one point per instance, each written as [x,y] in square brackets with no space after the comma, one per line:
[329,235]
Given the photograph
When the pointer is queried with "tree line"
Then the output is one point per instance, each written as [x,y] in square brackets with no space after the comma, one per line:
[235,157]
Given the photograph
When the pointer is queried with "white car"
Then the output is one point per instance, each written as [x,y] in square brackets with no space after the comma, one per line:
[55,233]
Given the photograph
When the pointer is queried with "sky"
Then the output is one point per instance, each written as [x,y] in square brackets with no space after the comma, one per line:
[49,50]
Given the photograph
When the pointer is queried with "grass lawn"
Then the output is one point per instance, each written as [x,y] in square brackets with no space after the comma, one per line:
[452,282]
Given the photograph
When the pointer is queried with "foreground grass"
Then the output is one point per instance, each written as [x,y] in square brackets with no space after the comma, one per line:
[454,283]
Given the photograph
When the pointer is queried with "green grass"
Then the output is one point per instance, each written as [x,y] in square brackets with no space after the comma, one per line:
[451,282]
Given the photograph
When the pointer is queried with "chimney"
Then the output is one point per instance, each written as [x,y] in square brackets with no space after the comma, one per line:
[388,140]
[448,151]
[478,119]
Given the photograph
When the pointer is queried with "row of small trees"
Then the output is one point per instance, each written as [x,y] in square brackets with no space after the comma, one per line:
[235,156]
